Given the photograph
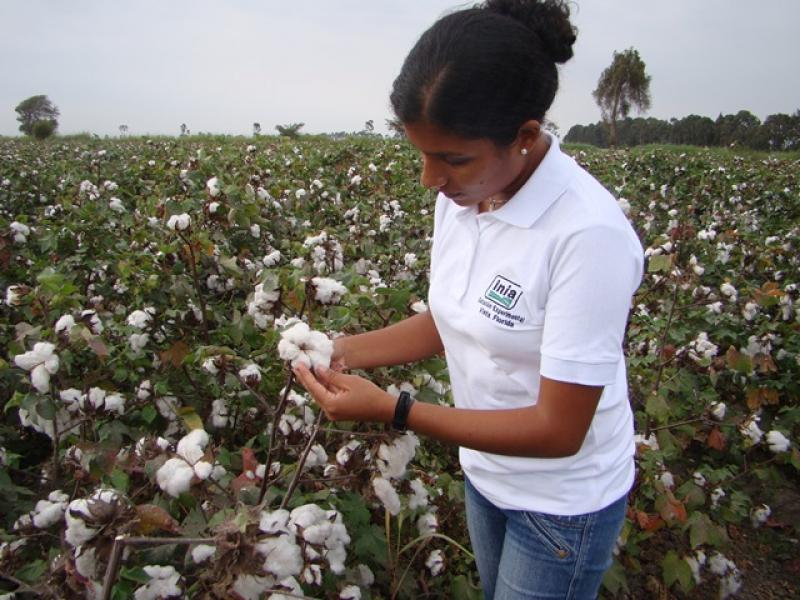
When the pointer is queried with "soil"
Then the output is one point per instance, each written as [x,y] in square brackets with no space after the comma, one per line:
[768,558]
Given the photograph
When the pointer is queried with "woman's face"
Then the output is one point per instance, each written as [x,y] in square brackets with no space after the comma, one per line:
[468,171]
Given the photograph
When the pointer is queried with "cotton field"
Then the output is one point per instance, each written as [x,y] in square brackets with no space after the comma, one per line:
[156,291]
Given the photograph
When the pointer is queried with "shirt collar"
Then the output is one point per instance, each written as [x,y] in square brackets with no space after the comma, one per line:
[547,183]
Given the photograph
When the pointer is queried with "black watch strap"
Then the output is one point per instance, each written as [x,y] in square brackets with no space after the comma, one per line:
[401,410]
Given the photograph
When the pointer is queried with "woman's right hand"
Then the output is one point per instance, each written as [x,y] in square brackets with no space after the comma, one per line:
[338,361]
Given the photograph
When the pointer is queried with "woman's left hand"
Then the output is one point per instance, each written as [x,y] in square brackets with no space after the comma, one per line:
[346,397]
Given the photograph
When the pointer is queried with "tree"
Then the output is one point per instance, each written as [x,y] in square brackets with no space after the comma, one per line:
[396,127]
[256,129]
[35,109]
[622,85]
[291,130]
[123,129]
[44,129]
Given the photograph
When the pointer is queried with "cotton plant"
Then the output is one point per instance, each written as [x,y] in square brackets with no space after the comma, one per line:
[299,344]
[177,474]
[42,362]
[261,305]
[165,582]
[328,291]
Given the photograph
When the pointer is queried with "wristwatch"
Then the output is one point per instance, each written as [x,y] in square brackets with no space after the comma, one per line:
[401,410]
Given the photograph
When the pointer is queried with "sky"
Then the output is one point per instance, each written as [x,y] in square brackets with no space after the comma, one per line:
[219,66]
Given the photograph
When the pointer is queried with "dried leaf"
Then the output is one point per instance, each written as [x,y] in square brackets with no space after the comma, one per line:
[175,354]
[672,508]
[649,522]
[758,397]
[154,518]
[716,439]
[99,347]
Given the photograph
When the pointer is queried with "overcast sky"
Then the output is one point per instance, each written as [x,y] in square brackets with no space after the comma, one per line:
[219,66]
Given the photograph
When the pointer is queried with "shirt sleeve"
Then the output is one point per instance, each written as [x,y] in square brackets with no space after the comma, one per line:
[593,274]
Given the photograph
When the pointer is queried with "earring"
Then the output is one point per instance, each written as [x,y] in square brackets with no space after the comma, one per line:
[524,152]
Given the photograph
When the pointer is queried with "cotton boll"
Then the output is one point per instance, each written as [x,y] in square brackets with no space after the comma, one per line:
[777,442]
[65,324]
[387,495]
[299,344]
[419,497]
[179,222]
[203,470]
[78,532]
[392,459]
[212,185]
[350,592]
[312,575]
[435,562]
[175,477]
[140,318]
[203,552]
[759,515]
[251,587]
[164,583]
[307,515]
[191,446]
[718,410]
[365,575]
[274,522]
[345,453]
[329,291]
[427,523]
[283,557]
[250,374]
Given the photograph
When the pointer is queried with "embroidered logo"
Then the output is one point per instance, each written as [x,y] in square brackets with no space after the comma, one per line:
[503,292]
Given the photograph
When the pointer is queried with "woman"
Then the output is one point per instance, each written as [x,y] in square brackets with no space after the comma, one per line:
[532,270]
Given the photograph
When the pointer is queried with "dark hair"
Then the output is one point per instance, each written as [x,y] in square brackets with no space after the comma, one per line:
[482,72]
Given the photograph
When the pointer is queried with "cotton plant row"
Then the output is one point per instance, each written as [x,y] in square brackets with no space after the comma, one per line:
[264,247]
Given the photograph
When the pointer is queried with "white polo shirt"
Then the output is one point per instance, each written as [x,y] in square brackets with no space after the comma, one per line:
[540,286]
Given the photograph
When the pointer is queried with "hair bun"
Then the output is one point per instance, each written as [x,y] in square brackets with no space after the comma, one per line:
[548,19]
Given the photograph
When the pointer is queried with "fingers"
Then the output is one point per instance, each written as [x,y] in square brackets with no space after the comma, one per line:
[306,377]
[327,376]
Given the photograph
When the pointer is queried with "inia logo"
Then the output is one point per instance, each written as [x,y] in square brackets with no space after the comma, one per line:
[503,292]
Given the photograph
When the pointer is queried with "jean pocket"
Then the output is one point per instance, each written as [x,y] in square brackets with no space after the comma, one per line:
[548,532]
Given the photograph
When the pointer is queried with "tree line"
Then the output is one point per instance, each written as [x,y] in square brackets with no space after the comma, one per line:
[743,129]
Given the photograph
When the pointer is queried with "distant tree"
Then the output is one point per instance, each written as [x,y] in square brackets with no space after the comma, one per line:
[256,129]
[184,129]
[35,109]
[778,132]
[396,127]
[123,129]
[44,129]
[622,86]
[694,130]
[369,126]
[290,130]
[738,129]
[550,126]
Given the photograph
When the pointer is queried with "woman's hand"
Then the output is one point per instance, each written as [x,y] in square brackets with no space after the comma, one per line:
[346,397]
[338,361]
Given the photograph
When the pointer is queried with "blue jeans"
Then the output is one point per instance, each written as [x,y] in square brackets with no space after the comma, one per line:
[530,555]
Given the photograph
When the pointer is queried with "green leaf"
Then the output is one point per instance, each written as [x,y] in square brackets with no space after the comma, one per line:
[14,402]
[461,587]
[615,580]
[660,263]
[32,572]
[657,408]
[675,569]
[371,545]
[148,414]
[120,480]
[190,418]
[135,574]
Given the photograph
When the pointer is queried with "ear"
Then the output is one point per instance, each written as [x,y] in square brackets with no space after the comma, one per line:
[528,133]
